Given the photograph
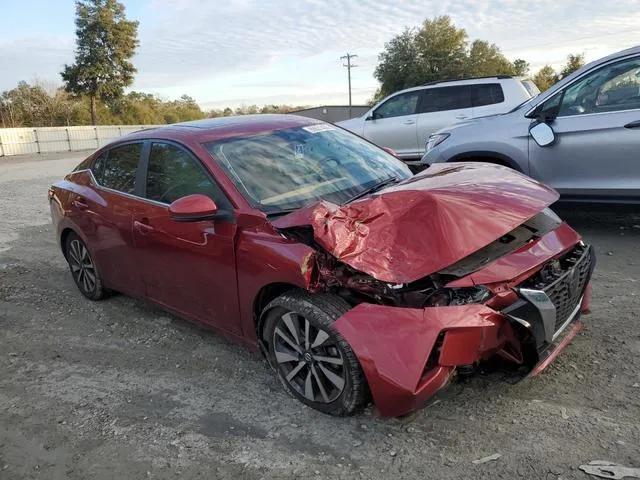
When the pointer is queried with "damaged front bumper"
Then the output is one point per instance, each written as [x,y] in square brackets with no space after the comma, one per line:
[408,354]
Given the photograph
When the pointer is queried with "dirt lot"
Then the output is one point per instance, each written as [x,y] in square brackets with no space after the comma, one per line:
[120,389]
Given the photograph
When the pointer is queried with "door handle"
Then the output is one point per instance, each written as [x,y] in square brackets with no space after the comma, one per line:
[79,204]
[635,124]
[461,117]
[409,122]
[142,227]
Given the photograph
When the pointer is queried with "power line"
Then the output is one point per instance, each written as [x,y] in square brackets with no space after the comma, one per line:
[349,66]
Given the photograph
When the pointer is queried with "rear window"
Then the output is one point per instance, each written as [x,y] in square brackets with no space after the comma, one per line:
[487,94]
[531,88]
[120,167]
[439,99]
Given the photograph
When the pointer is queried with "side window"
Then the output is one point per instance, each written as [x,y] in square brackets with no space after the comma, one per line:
[398,106]
[549,108]
[98,167]
[120,167]
[486,94]
[439,99]
[173,174]
[611,88]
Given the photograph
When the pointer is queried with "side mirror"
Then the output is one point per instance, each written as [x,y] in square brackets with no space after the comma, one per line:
[390,151]
[372,116]
[543,134]
[193,208]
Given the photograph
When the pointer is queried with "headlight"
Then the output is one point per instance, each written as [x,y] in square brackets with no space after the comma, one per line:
[436,139]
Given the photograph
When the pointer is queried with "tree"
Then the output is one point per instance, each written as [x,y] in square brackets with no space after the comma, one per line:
[574,62]
[418,56]
[442,49]
[485,59]
[105,42]
[436,51]
[520,67]
[545,77]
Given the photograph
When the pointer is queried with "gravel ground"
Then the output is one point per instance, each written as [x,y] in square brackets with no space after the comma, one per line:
[121,389]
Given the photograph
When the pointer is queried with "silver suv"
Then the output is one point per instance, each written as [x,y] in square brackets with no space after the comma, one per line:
[403,121]
[582,136]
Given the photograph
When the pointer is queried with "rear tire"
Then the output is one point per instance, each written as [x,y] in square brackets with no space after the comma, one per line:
[84,271]
[313,361]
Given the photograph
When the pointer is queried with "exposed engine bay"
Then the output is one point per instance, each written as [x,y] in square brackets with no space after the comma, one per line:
[328,274]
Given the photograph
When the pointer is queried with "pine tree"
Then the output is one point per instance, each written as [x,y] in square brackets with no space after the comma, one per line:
[105,43]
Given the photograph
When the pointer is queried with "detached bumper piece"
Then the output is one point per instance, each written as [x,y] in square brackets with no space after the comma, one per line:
[408,354]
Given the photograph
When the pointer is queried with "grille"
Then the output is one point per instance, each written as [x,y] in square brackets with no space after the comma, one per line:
[564,281]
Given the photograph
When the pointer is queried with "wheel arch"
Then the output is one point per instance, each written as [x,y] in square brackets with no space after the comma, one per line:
[488,157]
[265,295]
[63,239]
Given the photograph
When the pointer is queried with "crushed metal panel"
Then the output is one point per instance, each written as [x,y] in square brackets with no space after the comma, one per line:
[425,224]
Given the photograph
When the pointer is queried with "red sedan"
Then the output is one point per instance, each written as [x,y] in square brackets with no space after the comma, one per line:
[356,279]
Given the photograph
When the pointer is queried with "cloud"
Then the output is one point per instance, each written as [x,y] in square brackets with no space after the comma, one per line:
[248,50]
[198,40]
[34,57]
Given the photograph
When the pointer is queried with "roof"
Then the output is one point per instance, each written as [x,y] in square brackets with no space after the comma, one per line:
[211,129]
[498,77]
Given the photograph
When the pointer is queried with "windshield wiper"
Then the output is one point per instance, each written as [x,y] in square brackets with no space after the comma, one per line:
[284,211]
[373,188]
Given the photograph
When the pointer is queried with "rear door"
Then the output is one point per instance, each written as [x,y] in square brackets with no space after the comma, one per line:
[597,130]
[188,267]
[440,107]
[393,124]
[106,218]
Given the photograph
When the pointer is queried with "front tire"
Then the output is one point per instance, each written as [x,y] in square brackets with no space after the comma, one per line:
[313,361]
[84,271]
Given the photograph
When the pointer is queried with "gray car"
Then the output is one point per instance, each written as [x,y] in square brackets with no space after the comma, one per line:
[582,136]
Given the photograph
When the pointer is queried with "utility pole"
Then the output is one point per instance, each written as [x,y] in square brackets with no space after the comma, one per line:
[349,66]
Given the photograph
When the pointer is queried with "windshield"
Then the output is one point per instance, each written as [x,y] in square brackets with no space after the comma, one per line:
[290,168]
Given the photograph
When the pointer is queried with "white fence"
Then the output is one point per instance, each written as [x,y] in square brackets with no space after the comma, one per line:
[19,141]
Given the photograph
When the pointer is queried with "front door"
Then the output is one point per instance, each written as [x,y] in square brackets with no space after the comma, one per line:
[597,135]
[393,124]
[188,267]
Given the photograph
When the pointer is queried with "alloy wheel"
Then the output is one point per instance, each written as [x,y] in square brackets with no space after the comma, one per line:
[82,267]
[308,358]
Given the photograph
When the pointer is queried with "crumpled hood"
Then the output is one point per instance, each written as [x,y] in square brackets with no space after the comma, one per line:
[408,231]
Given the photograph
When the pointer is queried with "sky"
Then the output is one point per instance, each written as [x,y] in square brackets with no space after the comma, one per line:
[242,52]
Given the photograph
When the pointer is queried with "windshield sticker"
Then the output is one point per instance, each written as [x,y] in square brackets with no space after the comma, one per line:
[300,151]
[318,128]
